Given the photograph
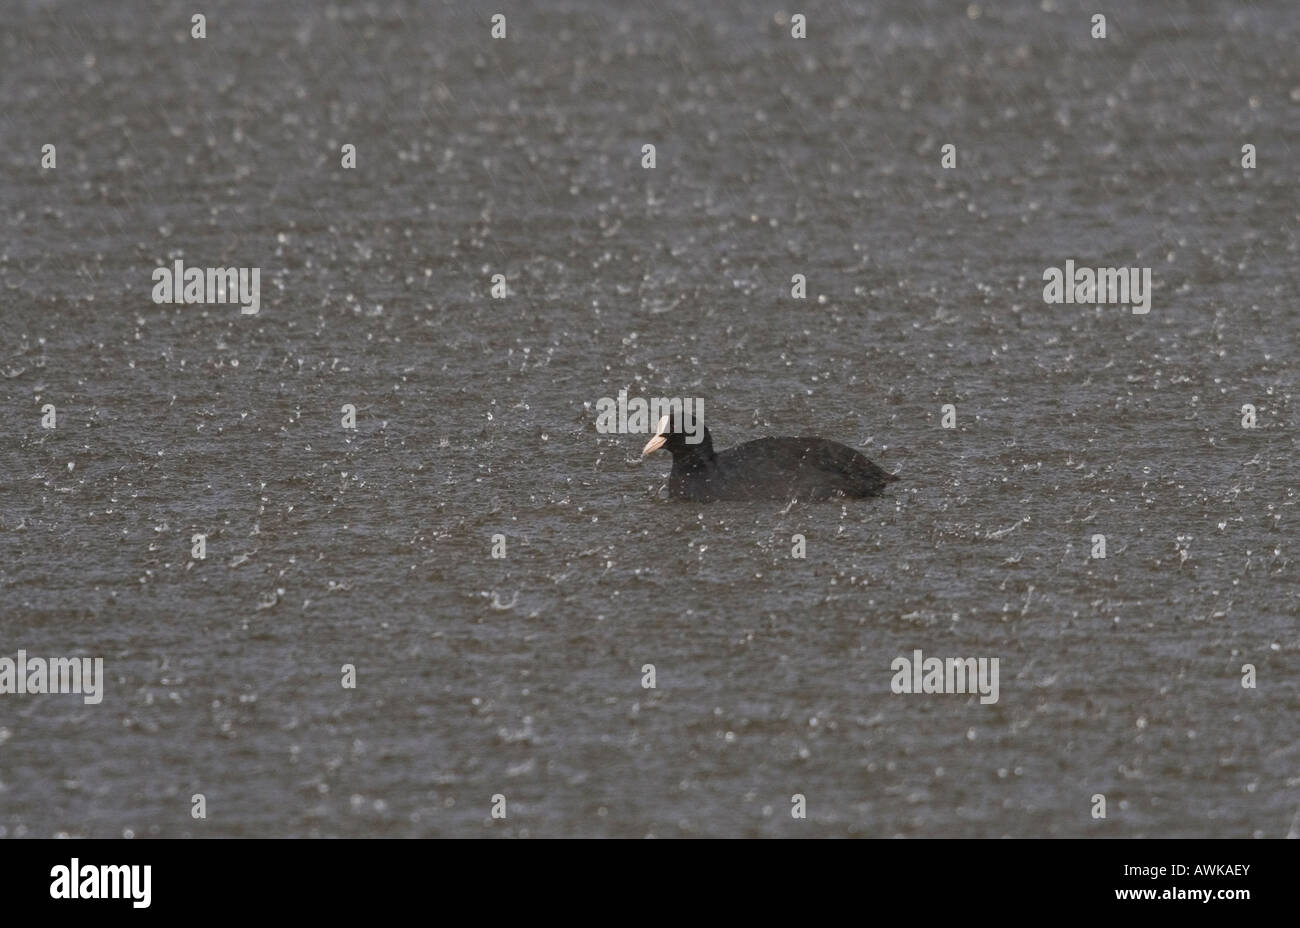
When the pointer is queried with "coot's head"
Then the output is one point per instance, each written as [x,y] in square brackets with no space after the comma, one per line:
[679,438]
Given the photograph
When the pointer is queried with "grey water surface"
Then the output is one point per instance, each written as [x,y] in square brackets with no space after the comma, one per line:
[522,676]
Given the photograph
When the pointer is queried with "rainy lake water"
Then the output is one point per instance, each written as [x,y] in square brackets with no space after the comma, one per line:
[522,676]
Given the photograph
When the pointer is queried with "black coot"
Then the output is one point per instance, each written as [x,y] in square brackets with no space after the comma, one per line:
[766,468]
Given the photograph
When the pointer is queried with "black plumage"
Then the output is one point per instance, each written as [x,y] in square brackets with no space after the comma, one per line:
[807,468]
